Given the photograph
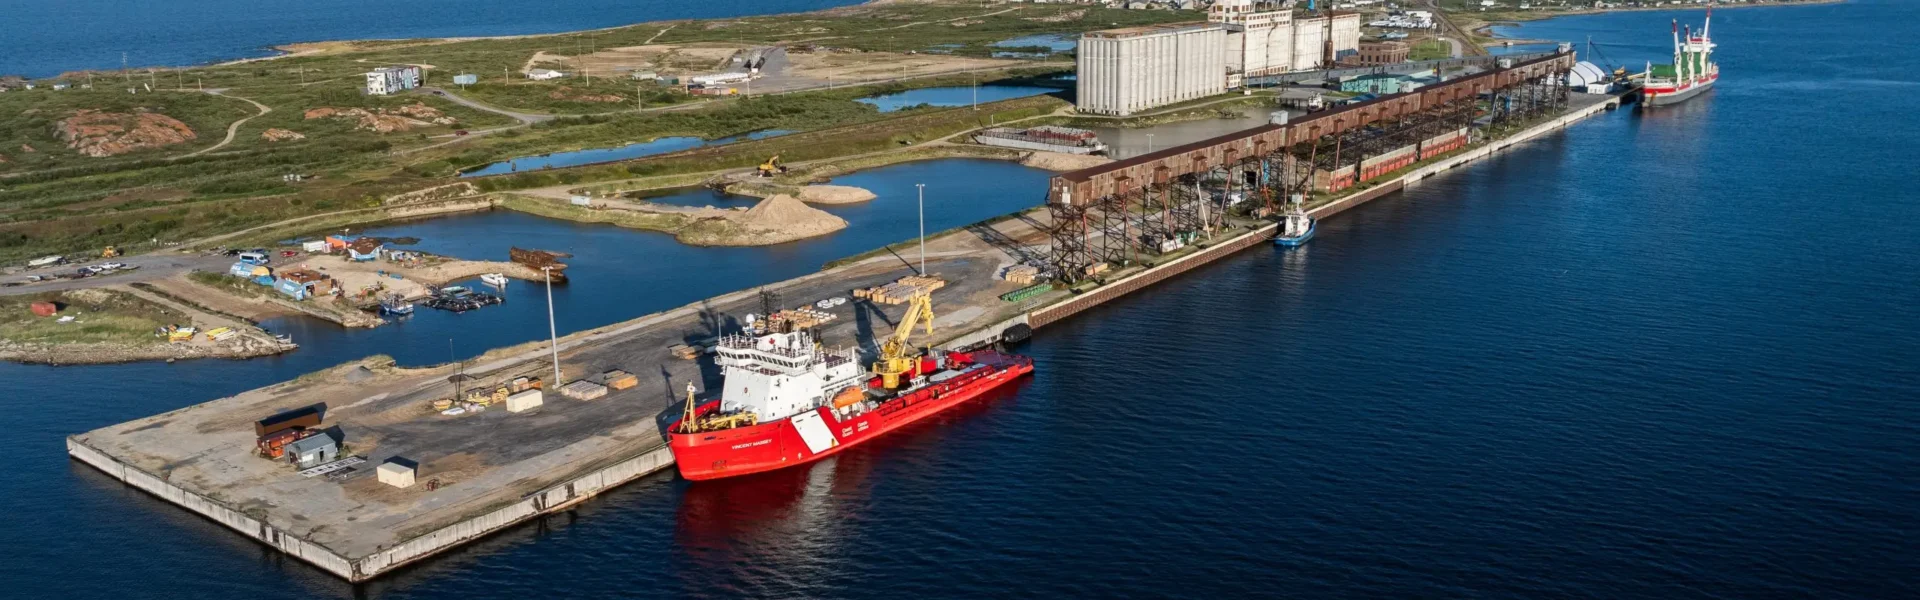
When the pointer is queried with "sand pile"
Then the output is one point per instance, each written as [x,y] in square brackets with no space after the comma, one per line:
[835,194]
[775,220]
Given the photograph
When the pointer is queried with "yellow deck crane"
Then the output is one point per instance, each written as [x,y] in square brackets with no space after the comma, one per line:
[894,359]
[692,422]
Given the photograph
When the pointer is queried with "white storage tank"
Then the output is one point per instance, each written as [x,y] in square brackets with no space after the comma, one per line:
[525,401]
[396,472]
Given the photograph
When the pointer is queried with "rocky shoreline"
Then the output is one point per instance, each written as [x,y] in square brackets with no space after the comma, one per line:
[108,353]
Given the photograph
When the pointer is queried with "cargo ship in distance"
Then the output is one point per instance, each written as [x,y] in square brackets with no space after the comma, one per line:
[1692,72]
[787,401]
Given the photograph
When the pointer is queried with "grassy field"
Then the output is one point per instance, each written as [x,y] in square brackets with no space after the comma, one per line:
[1430,50]
[894,132]
[99,316]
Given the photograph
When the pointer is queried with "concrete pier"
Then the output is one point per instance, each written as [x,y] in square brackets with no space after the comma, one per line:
[480,473]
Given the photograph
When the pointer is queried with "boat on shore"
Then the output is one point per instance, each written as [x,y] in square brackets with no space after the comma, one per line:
[787,401]
[1296,228]
[1692,71]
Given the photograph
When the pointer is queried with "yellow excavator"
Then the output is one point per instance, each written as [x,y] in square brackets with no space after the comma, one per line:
[771,167]
[895,359]
[110,252]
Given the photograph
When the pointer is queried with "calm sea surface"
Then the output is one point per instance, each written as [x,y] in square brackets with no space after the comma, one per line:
[43,38]
[1661,355]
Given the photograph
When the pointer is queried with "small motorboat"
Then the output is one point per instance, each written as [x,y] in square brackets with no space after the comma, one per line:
[395,305]
[1295,226]
[498,280]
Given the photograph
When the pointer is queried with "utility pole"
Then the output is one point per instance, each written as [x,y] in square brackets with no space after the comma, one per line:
[123,69]
[923,227]
[458,370]
[553,332]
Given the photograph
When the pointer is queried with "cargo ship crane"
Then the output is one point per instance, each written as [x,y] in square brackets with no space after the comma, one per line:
[894,360]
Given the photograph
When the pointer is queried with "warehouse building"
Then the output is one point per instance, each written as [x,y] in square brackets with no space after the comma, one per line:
[389,80]
[1123,71]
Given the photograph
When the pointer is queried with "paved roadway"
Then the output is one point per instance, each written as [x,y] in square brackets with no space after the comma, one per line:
[158,265]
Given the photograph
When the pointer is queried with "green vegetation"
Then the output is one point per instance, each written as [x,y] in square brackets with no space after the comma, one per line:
[1430,50]
[919,126]
[99,316]
[54,200]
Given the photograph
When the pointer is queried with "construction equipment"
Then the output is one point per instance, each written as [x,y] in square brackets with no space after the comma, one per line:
[894,359]
[274,445]
[771,167]
[110,252]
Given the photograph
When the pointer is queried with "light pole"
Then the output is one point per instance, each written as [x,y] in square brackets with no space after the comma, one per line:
[923,227]
[1149,143]
[553,332]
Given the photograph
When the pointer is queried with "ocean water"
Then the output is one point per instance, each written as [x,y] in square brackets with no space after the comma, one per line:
[1660,355]
[43,38]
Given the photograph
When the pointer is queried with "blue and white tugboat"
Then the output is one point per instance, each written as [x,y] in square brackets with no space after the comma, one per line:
[1295,226]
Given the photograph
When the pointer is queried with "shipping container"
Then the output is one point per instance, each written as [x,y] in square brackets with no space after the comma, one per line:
[1387,162]
[308,417]
[1335,180]
[395,473]
[525,401]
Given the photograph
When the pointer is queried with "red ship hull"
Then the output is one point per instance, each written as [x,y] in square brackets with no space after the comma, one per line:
[821,433]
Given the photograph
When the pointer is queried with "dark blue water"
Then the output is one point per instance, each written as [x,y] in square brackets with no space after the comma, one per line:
[1667,355]
[590,156]
[42,38]
[954,96]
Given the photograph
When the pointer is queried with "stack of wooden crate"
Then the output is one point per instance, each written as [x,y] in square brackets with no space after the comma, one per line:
[798,318]
[900,291]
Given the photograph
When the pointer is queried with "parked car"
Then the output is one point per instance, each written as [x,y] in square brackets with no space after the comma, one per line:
[459,132]
[289,253]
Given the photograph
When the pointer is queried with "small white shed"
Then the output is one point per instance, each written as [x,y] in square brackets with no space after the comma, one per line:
[395,472]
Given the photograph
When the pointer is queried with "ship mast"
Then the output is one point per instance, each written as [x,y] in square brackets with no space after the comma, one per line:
[687,423]
[1679,65]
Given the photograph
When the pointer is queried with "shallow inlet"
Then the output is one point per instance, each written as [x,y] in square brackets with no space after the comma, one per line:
[575,158]
[953,96]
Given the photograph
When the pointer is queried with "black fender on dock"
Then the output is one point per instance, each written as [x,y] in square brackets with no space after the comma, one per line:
[1019,332]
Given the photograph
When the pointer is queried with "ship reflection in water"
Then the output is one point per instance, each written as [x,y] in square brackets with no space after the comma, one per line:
[781,528]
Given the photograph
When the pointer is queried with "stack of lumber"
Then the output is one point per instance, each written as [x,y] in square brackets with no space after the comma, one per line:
[1021,274]
[684,351]
[798,318]
[900,291]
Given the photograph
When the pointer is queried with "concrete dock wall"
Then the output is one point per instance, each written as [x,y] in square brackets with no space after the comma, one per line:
[219,513]
[553,499]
